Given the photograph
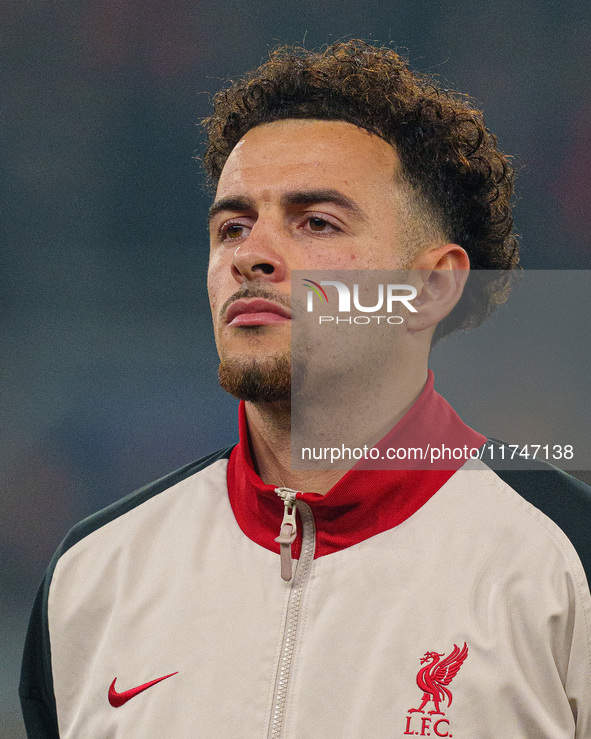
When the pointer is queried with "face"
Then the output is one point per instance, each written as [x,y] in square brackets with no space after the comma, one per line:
[293,195]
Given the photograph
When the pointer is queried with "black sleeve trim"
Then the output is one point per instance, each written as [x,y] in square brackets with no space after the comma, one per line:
[36,684]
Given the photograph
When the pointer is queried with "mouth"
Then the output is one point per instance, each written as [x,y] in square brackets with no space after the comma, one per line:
[256,312]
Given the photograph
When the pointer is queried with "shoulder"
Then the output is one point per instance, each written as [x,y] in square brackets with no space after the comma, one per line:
[140,500]
[80,569]
[564,501]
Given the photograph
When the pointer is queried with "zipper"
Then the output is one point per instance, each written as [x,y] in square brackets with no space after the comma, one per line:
[288,531]
[286,538]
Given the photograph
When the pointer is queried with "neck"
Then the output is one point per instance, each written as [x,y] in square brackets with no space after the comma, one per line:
[269,435]
[367,416]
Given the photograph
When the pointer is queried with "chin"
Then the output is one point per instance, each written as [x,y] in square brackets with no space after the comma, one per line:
[257,379]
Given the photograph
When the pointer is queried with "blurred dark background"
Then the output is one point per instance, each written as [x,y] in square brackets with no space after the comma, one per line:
[108,366]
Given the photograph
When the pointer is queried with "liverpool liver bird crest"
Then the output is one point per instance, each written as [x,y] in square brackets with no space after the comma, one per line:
[434,678]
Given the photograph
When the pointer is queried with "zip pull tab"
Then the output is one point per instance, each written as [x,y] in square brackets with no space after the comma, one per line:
[288,531]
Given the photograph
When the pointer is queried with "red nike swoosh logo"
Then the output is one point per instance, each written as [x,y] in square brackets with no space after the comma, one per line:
[118,699]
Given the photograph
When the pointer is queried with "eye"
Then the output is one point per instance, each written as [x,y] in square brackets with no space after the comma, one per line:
[317,224]
[232,231]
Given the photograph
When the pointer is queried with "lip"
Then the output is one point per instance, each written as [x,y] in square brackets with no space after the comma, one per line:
[256,312]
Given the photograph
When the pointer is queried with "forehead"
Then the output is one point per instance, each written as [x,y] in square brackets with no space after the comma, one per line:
[296,154]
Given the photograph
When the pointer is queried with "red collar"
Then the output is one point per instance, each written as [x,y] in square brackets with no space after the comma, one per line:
[363,503]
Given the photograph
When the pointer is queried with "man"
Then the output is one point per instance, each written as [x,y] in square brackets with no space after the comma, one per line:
[239,597]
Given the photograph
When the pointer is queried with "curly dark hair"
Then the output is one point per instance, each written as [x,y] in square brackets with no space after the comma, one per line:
[450,160]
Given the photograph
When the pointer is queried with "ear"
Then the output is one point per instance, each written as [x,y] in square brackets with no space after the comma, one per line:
[441,274]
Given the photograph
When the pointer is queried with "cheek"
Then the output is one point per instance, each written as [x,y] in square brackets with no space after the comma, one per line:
[214,281]
[343,256]
[210,285]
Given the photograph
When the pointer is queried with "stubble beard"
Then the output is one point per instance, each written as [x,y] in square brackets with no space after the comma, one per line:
[263,379]
[258,380]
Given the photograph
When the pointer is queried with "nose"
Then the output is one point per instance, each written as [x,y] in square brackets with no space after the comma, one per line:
[255,258]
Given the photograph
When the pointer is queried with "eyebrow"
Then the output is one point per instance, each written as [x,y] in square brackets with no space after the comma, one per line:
[310,197]
[300,197]
[231,203]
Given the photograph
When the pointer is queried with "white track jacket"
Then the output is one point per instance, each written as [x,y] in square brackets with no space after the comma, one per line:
[426,604]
